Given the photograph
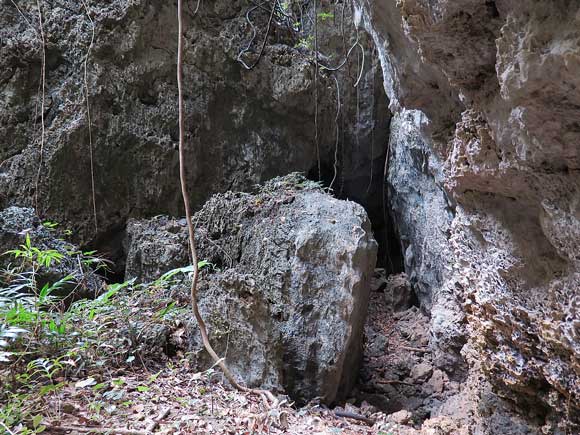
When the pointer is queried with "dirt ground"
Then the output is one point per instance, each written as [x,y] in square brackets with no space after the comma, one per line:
[397,391]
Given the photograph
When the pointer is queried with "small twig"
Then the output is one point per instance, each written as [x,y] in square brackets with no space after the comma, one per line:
[353,416]
[415,349]
[153,425]
[23,16]
[194,13]
[107,430]
[7,428]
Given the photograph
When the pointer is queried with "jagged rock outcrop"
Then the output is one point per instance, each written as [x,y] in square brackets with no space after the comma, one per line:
[287,293]
[16,224]
[243,127]
[496,82]
[483,179]
[423,213]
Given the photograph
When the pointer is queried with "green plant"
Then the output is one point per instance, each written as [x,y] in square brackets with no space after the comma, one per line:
[28,309]
[17,413]
[35,256]
[50,225]
[325,16]
[167,276]
[306,43]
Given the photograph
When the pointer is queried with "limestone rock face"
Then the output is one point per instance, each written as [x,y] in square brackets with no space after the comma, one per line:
[287,294]
[496,164]
[155,246]
[243,127]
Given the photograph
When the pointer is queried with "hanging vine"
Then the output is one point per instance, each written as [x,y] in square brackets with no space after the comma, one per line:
[43,84]
[191,232]
[338,110]
[86,89]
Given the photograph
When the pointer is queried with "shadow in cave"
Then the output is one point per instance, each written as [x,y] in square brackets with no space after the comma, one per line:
[370,192]
[109,244]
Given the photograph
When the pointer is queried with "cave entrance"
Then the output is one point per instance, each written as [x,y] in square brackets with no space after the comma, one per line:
[367,187]
[110,245]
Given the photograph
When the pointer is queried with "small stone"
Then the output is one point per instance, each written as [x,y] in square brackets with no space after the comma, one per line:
[367,408]
[379,345]
[437,382]
[399,294]
[421,372]
[400,417]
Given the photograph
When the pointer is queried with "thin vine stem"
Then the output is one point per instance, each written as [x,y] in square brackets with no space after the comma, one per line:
[186,202]
[316,68]
[247,48]
[43,82]
[86,89]
[338,110]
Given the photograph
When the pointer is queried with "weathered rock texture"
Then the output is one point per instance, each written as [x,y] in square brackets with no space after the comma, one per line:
[16,223]
[287,293]
[485,187]
[243,127]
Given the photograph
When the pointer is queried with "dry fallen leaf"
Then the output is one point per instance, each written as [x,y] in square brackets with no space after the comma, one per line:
[86,383]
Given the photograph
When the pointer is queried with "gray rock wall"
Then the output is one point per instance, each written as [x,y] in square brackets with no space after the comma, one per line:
[496,82]
[243,127]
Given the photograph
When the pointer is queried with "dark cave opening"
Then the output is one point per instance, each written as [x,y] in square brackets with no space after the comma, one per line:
[109,244]
[368,189]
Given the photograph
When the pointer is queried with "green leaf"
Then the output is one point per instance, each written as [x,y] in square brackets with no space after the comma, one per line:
[50,225]
[164,311]
[118,382]
[45,389]
[99,386]
[187,269]
[325,15]
[154,377]
[36,420]
[142,388]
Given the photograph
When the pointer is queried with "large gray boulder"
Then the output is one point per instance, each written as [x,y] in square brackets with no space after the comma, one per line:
[287,296]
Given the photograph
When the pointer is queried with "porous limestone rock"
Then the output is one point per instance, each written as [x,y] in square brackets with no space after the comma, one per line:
[242,127]
[287,293]
[496,82]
